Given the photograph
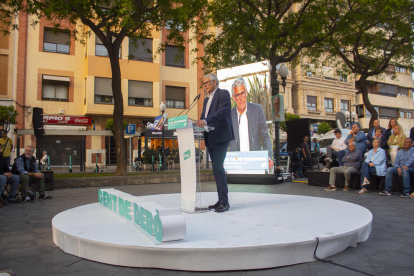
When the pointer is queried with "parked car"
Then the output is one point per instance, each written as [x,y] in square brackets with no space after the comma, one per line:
[326,141]
[284,153]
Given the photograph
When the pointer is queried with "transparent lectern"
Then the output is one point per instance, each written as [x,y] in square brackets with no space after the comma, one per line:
[187,132]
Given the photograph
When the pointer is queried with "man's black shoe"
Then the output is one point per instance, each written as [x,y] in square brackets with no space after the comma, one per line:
[45,196]
[210,207]
[222,208]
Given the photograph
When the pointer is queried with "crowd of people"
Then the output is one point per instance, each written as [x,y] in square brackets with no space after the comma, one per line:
[24,170]
[382,152]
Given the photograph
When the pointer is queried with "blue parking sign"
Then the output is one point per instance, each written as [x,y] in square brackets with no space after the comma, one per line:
[130,129]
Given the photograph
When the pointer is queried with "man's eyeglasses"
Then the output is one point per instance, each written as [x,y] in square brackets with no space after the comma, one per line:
[242,95]
[205,83]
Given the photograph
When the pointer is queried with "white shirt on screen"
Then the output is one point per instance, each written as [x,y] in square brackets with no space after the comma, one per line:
[339,143]
[243,131]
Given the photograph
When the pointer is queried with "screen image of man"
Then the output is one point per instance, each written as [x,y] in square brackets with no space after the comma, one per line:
[216,113]
[249,123]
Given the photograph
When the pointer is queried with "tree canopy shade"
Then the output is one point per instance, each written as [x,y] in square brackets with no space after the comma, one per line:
[377,37]
[112,21]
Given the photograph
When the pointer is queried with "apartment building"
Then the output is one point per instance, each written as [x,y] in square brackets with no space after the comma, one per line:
[71,81]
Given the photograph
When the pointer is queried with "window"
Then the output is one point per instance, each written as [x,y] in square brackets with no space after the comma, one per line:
[328,73]
[174,57]
[368,114]
[169,24]
[100,49]
[409,115]
[401,70]
[139,93]
[387,89]
[387,113]
[310,70]
[140,49]
[344,106]
[175,97]
[55,88]
[103,91]
[328,105]
[312,103]
[343,78]
[402,91]
[402,114]
[56,43]
[406,114]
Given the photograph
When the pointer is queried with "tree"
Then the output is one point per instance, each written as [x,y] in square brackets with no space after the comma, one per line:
[288,117]
[112,21]
[8,115]
[324,127]
[380,36]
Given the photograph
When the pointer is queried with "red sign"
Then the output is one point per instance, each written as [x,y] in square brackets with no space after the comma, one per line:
[66,120]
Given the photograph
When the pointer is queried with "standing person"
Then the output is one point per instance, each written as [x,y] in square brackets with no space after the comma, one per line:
[403,166]
[396,142]
[375,163]
[249,123]
[371,131]
[7,177]
[43,160]
[7,146]
[390,130]
[351,163]
[338,144]
[358,137]
[316,148]
[26,167]
[217,113]
[306,154]
[378,134]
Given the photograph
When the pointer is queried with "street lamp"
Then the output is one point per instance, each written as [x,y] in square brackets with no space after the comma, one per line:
[353,116]
[347,116]
[283,73]
[162,109]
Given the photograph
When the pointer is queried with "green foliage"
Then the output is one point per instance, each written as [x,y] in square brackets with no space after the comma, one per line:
[258,93]
[148,154]
[8,115]
[288,117]
[324,127]
[110,124]
[175,155]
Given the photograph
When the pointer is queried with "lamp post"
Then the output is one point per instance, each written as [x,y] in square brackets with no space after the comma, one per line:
[283,73]
[347,116]
[162,109]
[353,116]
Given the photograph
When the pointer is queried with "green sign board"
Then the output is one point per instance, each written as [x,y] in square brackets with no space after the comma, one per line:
[177,122]
[187,155]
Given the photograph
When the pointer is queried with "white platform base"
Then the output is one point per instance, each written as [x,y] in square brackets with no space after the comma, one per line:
[259,231]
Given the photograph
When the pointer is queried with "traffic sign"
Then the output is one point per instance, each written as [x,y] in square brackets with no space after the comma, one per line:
[130,129]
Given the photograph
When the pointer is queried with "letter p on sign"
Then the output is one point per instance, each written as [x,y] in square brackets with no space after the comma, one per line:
[130,129]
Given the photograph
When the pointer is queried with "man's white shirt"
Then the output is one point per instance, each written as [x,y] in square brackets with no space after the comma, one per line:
[339,143]
[210,99]
[243,130]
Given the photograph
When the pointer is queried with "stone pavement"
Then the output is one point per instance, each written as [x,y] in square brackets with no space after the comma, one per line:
[26,244]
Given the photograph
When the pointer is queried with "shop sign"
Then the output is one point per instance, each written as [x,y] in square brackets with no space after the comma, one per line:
[66,120]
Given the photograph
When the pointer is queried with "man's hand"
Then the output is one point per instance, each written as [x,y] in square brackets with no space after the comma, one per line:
[201,123]
[399,171]
[405,168]
[38,175]
[352,139]
[8,175]
[371,164]
[270,163]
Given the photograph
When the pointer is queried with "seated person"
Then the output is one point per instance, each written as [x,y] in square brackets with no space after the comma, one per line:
[43,160]
[296,162]
[338,144]
[351,161]
[396,142]
[358,137]
[375,163]
[7,177]
[403,166]
[26,167]
[378,134]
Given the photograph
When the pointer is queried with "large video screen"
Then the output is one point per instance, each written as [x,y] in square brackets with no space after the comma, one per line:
[252,150]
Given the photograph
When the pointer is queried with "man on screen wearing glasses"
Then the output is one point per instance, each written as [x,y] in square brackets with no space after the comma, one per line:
[249,123]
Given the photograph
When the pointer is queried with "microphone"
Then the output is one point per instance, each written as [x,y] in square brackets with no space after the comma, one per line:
[193,104]
[195,99]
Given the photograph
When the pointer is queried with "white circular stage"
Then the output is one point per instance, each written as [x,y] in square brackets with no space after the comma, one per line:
[259,231]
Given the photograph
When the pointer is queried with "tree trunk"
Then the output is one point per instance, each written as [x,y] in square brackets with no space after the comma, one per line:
[365,97]
[118,115]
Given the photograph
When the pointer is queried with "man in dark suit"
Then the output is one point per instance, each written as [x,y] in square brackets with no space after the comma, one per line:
[249,123]
[371,131]
[216,113]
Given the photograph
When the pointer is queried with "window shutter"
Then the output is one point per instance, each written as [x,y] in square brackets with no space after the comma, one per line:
[140,89]
[103,86]
[60,38]
[175,93]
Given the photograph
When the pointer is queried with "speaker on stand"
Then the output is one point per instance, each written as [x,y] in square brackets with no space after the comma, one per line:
[37,122]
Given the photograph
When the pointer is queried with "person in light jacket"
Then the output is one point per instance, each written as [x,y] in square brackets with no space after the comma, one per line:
[375,163]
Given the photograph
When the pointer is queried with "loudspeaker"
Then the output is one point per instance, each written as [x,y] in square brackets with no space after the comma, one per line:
[296,130]
[37,121]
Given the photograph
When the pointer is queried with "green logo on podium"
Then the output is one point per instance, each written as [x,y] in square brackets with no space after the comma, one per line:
[187,155]
[177,122]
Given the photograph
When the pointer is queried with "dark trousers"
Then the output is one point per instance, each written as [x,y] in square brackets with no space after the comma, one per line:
[25,179]
[366,170]
[296,166]
[217,154]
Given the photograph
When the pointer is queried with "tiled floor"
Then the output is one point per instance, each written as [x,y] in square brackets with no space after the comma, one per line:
[26,245]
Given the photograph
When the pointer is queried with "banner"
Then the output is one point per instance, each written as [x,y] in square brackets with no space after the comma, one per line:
[246,161]
[158,122]
[66,120]
[278,108]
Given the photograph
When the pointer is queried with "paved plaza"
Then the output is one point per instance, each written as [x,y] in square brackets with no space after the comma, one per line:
[26,245]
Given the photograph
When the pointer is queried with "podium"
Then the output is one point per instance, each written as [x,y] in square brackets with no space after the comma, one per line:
[186,130]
